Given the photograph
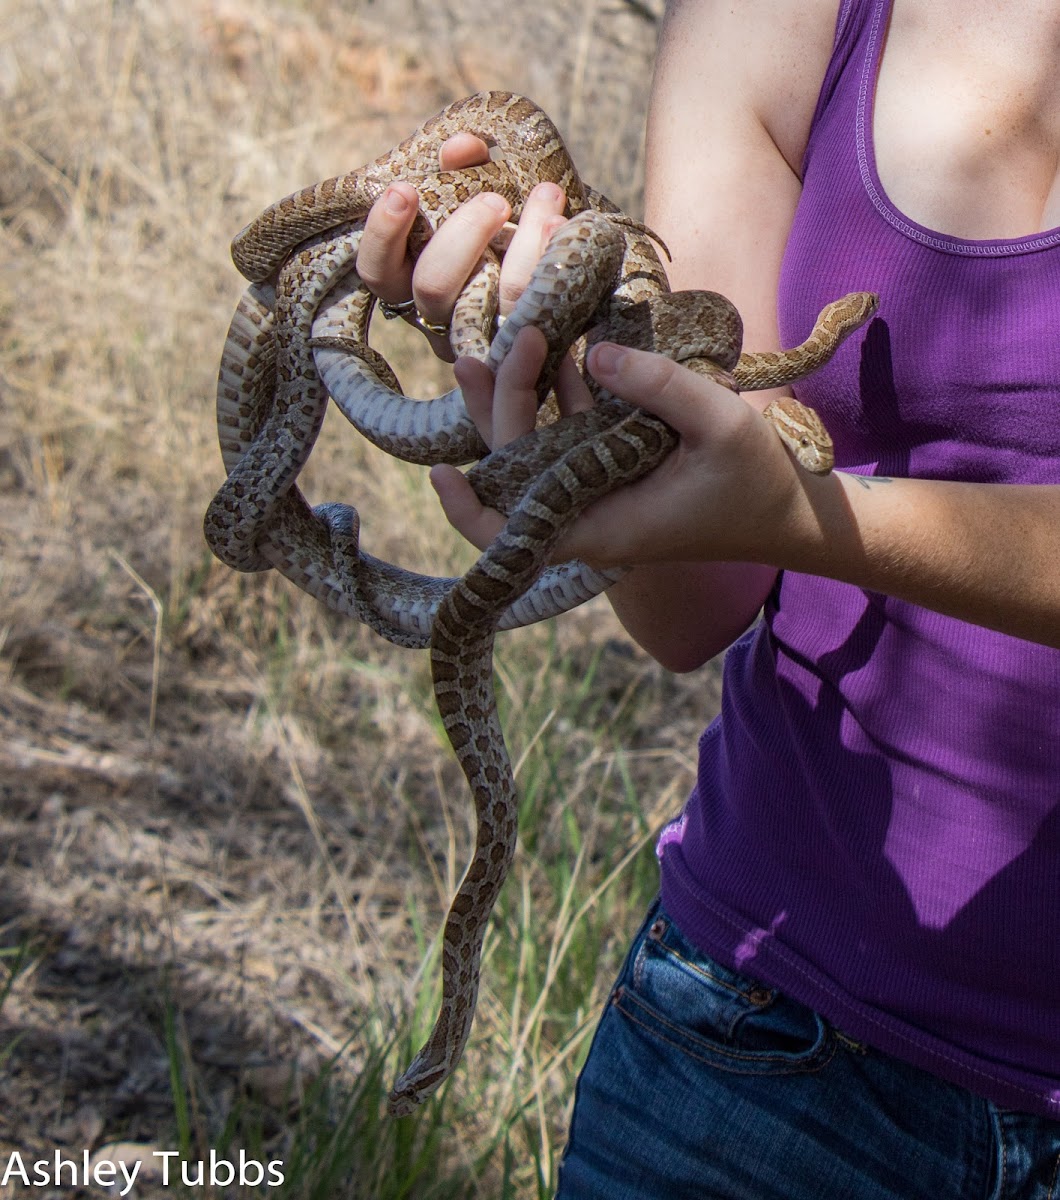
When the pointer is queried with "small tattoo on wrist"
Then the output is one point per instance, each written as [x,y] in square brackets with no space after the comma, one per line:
[867,481]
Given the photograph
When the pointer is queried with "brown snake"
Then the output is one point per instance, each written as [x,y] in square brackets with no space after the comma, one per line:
[300,334]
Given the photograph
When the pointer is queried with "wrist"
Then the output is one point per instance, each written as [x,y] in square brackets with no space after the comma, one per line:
[872,531]
[784,515]
[815,526]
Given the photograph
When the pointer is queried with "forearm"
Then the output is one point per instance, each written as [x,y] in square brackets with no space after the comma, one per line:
[985,553]
[683,614]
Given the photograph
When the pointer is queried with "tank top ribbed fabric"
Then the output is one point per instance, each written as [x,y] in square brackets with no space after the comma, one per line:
[875,827]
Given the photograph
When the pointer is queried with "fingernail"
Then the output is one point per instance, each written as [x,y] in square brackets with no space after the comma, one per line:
[395,203]
[606,359]
[548,191]
[497,203]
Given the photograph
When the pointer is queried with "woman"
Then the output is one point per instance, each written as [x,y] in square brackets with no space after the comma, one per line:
[851,986]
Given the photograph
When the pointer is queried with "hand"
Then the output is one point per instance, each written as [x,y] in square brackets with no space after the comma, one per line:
[729,492]
[454,252]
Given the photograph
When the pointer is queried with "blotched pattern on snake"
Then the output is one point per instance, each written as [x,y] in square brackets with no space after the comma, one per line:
[300,336]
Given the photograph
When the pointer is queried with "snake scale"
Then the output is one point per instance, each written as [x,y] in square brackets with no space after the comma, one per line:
[300,337]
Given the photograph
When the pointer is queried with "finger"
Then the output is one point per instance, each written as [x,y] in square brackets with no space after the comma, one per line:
[453,253]
[542,215]
[572,393]
[467,150]
[504,407]
[382,257]
[463,150]
[477,383]
[463,510]
[696,407]
[515,394]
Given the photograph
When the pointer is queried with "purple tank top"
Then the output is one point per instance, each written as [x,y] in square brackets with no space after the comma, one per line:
[875,827]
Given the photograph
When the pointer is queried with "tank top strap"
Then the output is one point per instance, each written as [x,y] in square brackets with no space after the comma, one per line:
[854,23]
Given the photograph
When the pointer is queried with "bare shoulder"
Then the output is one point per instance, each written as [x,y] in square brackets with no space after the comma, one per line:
[758,59]
[734,93]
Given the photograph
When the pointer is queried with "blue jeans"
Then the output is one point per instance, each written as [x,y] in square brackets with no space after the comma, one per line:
[702,1083]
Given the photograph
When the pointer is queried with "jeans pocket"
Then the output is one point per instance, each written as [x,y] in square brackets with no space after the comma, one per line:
[685,998]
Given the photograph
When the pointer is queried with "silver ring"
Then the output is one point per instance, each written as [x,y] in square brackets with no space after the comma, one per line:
[407,308]
[404,308]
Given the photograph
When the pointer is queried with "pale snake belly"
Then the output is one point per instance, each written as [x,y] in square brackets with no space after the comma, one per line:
[297,340]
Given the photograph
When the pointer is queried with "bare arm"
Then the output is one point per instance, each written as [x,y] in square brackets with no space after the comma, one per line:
[726,133]
[985,553]
[730,492]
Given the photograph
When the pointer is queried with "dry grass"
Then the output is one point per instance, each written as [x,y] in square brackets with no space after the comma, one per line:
[230,824]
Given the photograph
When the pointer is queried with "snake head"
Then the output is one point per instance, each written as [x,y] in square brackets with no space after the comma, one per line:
[804,434]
